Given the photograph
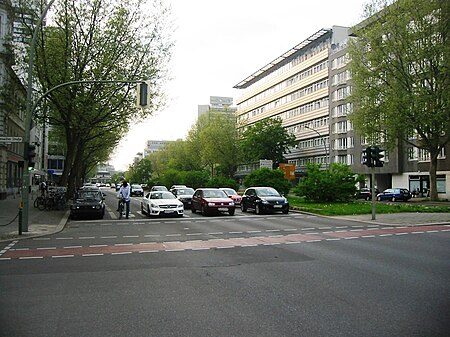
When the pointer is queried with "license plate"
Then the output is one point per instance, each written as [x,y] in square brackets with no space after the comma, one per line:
[223,209]
[169,211]
[277,206]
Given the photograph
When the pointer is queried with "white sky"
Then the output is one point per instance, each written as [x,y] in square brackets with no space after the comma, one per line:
[220,43]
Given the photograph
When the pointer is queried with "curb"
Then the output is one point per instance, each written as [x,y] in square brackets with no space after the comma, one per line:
[59,228]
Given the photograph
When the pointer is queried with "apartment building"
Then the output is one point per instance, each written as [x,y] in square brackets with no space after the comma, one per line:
[307,87]
[295,88]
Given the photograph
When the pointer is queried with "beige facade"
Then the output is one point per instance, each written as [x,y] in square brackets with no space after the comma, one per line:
[295,88]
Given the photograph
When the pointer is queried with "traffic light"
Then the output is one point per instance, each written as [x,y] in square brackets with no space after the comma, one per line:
[367,157]
[142,94]
[31,153]
[377,155]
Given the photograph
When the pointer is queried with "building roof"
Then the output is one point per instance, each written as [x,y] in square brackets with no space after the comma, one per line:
[279,61]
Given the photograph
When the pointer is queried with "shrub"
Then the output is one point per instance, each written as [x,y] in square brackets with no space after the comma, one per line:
[270,178]
[335,184]
[222,182]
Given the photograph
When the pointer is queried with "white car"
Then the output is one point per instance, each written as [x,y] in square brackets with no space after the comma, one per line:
[136,190]
[161,203]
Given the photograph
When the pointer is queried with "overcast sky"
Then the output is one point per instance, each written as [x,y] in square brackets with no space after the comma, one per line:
[220,43]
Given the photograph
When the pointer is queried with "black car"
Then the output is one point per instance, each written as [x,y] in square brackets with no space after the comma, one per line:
[264,199]
[88,203]
[365,193]
[184,194]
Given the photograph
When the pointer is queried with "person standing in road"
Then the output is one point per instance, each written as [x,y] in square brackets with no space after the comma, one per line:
[124,193]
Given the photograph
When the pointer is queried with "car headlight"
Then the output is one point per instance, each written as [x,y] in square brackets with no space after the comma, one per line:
[153,205]
[97,207]
[231,203]
[264,201]
[211,204]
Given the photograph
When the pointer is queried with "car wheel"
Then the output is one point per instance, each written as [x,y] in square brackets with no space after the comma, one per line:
[142,209]
[368,198]
[258,209]
[193,210]
[393,199]
[286,211]
[203,210]
[148,210]
[379,198]
[243,208]
[231,211]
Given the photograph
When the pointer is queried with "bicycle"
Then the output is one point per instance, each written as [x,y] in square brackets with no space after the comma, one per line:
[40,202]
[121,207]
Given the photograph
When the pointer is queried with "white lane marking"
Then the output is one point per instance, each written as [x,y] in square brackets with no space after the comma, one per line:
[148,251]
[64,238]
[121,253]
[123,244]
[253,231]
[30,257]
[40,239]
[60,256]
[368,236]
[97,246]
[131,236]
[235,232]
[205,248]
[215,233]
[87,255]
[173,234]
[109,237]
[193,234]
[68,247]
[86,237]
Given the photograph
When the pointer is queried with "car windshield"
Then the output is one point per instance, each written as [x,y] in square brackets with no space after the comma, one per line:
[162,195]
[185,191]
[136,186]
[267,192]
[89,195]
[214,194]
[229,191]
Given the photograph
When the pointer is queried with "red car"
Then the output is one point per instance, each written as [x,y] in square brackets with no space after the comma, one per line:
[212,200]
[232,194]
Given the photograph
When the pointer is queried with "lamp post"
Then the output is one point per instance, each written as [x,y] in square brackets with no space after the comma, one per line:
[23,223]
[324,144]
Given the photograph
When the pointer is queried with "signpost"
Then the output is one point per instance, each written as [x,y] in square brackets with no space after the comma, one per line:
[11,139]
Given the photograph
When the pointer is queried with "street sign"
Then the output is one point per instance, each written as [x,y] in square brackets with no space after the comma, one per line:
[267,163]
[11,139]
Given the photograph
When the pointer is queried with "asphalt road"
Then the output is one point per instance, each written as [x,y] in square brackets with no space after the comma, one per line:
[242,275]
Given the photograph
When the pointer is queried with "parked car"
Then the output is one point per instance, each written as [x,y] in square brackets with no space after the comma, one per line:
[184,194]
[88,202]
[231,193]
[161,203]
[211,200]
[158,188]
[136,190]
[264,199]
[365,193]
[394,194]
[176,186]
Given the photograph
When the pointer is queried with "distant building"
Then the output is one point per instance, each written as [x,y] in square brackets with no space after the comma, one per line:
[218,105]
[155,146]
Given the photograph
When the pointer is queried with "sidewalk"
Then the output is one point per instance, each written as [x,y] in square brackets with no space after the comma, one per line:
[39,222]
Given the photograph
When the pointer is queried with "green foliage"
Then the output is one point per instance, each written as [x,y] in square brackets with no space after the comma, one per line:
[270,178]
[99,40]
[192,179]
[141,172]
[266,139]
[400,66]
[223,182]
[338,183]
[195,179]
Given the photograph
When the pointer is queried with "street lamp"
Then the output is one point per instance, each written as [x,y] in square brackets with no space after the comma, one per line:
[23,223]
[324,144]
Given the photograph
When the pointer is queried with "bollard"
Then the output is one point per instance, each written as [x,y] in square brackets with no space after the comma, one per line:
[20,218]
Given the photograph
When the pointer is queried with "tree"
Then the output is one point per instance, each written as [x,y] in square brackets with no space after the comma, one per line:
[99,40]
[270,178]
[141,172]
[400,66]
[266,139]
[338,183]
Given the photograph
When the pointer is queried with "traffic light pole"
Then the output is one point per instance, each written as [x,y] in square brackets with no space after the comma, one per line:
[23,223]
[373,192]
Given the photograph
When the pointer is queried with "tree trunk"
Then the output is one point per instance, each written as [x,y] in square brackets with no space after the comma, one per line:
[432,172]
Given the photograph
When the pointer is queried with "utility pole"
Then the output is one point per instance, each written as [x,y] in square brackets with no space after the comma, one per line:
[23,222]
